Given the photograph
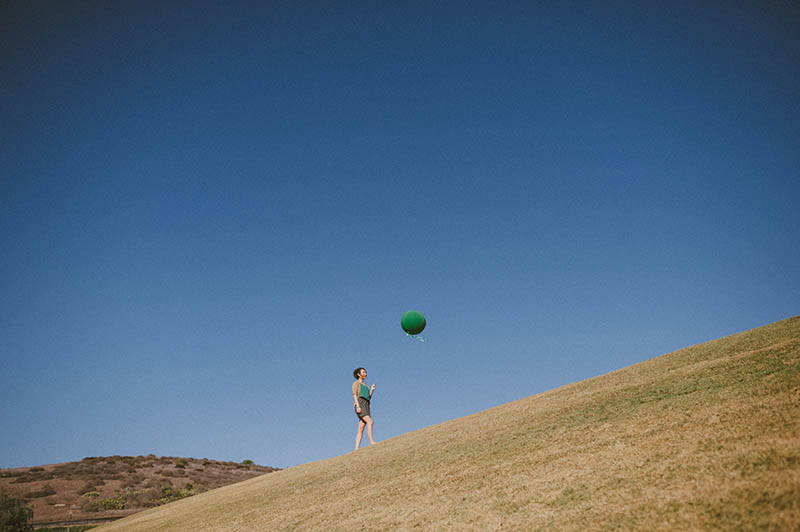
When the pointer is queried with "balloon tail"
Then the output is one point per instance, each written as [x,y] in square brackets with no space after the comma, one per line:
[415,337]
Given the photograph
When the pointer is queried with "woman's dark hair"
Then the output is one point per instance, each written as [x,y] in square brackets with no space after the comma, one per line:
[356,372]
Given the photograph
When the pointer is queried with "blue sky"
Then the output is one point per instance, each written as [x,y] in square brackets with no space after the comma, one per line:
[210,216]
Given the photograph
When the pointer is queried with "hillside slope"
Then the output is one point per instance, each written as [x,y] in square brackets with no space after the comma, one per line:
[115,486]
[707,437]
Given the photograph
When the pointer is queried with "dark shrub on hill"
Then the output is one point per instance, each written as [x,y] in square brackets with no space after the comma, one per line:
[145,498]
[32,475]
[151,483]
[133,480]
[93,504]
[45,491]
[68,471]
[170,494]
[14,515]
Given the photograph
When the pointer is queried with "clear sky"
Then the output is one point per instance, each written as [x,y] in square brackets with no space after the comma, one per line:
[209,216]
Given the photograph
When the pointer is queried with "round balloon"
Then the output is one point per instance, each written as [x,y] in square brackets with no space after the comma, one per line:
[412,322]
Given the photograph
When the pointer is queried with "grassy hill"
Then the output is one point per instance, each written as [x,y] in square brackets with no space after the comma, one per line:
[116,486]
[707,437]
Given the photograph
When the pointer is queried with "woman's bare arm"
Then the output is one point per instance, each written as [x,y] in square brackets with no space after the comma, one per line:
[355,396]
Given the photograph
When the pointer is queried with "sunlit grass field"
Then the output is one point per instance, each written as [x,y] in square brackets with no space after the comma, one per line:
[704,438]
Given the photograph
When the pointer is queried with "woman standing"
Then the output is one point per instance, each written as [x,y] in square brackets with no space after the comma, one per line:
[361,398]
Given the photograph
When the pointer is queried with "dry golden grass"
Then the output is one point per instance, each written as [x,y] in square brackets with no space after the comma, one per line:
[705,438]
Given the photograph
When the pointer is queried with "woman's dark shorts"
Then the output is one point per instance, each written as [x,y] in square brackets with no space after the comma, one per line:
[364,404]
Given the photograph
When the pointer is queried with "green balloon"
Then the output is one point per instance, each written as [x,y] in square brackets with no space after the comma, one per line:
[412,322]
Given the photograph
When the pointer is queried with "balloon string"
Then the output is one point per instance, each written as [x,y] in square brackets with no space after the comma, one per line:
[415,337]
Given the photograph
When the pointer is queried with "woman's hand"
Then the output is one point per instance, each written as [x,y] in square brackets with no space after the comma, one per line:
[358,409]
[372,389]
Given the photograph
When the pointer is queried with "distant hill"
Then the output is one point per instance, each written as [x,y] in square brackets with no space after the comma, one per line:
[704,438]
[116,486]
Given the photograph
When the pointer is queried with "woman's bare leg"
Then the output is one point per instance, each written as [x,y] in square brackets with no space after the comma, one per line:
[360,433]
[369,429]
